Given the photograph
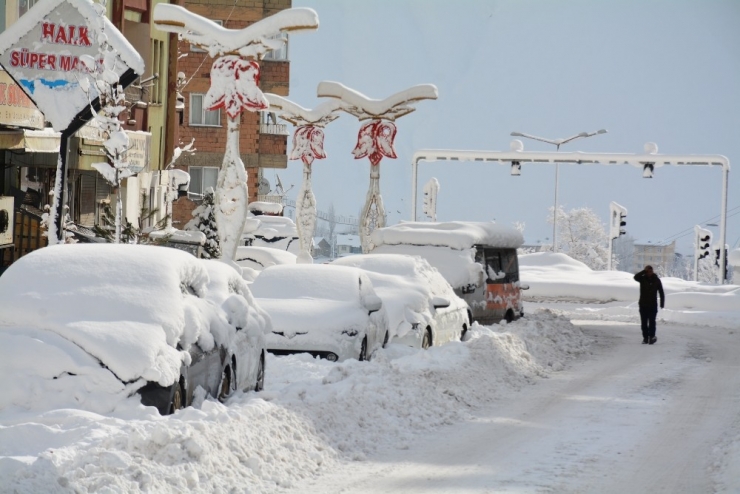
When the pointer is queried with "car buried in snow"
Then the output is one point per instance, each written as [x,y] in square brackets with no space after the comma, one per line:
[423,309]
[328,311]
[253,259]
[117,320]
[478,259]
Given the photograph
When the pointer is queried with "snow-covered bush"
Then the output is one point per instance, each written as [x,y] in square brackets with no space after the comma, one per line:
[582,236]
[204,220]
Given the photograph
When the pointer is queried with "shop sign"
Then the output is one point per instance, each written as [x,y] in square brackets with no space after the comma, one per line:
[16,109]
[42,53]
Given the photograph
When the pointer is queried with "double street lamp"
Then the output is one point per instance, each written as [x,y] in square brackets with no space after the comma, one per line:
[557,143]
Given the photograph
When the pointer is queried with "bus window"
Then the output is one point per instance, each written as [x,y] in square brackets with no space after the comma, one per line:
[494,273]
[510,265]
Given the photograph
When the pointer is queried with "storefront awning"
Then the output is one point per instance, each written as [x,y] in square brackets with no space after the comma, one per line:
[31,141]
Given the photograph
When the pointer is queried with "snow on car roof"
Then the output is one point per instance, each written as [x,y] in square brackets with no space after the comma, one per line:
[127,305]
[270,227]
[457,266]
[453,234]
[302,281]
[264,256]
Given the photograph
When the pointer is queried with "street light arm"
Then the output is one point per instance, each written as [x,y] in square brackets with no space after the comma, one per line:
[528,136]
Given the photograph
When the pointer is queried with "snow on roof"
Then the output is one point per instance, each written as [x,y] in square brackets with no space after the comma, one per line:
[349,239]
[653,243]
[457,266]
[453,234]
[174,235]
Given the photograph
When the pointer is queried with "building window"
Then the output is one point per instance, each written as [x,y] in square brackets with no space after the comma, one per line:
[201,116]
[282,52]
[158,67]
[201,178]
[25,5]
[195,49]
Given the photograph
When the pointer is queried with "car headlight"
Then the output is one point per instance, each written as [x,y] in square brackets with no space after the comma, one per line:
[415,326]
[350,332]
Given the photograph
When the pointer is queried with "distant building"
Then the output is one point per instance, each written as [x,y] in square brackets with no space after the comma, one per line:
[348,244]
[660,255]
[321,247]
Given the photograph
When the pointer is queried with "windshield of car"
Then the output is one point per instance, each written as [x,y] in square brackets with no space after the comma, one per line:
[307,282]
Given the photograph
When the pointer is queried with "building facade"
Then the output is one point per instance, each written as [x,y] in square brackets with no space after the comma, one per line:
[660,255]
[29,150]
[262,141]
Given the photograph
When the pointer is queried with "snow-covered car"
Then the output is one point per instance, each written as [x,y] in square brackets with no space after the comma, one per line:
[479,260]
[328,311]
[275,232]
[422,307]
[253,259]
[89,325]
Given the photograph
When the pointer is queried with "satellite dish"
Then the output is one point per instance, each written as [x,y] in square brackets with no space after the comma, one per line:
[264,187]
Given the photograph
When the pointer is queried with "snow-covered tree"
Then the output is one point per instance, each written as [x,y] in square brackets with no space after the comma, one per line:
[582,236]
[102,80]
[204,220]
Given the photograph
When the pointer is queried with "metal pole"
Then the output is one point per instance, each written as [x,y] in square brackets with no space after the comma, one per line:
[611,249]
[555,211]
[60,193]
[723,225]
[414,179]
[696,253]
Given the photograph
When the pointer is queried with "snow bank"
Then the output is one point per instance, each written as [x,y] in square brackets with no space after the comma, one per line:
[313,414]
[454,234]
[559,277]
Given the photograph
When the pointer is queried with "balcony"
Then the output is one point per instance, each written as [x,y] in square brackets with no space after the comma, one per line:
[274,129]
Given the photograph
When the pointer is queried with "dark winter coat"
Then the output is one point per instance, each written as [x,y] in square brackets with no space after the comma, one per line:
[650,288]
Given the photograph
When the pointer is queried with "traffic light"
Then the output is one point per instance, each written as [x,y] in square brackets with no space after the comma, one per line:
[704,242]
[622,223]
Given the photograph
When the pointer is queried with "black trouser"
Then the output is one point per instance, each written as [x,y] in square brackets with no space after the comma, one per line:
[647,318]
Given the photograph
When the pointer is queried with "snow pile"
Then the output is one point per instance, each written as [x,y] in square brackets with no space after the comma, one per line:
[559,277]
[313,413]
[453,234]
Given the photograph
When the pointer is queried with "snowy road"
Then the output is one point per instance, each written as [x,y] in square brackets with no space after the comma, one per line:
[630,418]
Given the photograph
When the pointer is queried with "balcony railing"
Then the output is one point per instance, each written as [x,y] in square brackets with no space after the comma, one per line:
[275,129]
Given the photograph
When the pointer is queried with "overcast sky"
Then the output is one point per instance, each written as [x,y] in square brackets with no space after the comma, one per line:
[664,71]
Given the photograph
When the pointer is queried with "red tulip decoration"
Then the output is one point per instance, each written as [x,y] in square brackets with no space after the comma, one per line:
[375,140]
[235,86]
[308,144]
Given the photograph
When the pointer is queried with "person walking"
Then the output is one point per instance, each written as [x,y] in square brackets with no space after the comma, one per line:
[650,288]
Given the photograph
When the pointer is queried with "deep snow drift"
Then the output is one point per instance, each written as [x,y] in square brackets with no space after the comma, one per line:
[312,414]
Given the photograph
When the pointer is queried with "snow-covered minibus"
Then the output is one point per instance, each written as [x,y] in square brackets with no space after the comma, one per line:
[479,260]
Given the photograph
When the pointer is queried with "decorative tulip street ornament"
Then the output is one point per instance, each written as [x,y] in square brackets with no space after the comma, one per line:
[375,139]
[308,144]
[235,77]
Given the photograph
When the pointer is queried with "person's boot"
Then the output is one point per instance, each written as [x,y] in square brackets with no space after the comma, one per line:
[653,340]
[644,341]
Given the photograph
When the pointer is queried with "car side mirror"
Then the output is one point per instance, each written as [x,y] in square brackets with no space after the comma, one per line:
[373,303]
[440,302]
[524,287]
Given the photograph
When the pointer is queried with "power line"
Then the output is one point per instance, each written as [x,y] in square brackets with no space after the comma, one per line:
[687,231]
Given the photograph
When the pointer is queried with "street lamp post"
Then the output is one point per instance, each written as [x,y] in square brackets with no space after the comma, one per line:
[557,143]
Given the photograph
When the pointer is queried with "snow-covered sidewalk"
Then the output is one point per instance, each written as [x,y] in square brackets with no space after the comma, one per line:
[313,416]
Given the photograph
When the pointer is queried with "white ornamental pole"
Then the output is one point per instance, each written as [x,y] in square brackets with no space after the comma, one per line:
[234,88]
[375,139]
[308,144]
